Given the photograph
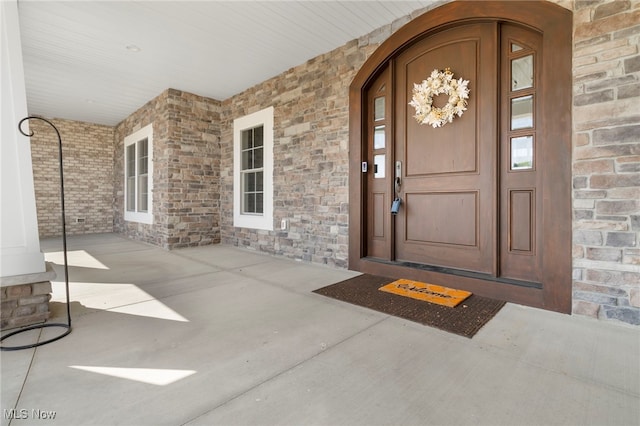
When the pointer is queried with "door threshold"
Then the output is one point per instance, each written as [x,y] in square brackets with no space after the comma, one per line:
[457,272]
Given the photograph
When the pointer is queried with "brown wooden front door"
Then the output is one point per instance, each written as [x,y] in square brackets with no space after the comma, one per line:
[448,182]
[485,202]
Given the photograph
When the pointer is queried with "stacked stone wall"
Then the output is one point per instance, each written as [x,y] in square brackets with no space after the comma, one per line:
[606,160]
[186,161]
[311,158]
[24,304]
[311,167]
[87,151]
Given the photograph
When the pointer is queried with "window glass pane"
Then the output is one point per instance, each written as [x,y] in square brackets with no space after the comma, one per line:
[259,181]
[247,162]
[258,139]
[522,73]
[522,112]
[378,166]
[131,193]
[378,137]
[247,182]
[522,153]
[143,165]
[378,108]
[257,158]
[249,203]
[143,194]
[259,203]
[515,47]
[131,160]
[143,156]
[246,139]
[143,146]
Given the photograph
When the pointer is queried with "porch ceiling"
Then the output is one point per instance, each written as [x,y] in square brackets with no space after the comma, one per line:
[78,65]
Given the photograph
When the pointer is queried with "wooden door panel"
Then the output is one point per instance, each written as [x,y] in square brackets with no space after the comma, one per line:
[455,143]
[521,217]
[379,209]
[452,218]
[449,173]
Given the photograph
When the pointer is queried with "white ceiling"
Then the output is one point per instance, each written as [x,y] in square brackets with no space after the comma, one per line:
[77,65]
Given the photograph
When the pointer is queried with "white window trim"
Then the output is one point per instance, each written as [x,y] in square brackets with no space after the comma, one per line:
[265,220]
[142,217]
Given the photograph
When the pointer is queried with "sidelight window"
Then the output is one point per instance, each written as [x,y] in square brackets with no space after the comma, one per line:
[379,137]
[522,96]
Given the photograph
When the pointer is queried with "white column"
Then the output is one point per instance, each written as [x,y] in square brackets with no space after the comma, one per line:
[19,240]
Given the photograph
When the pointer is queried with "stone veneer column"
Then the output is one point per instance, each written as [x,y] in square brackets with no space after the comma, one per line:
[606,160]
[186,168]
[24,299]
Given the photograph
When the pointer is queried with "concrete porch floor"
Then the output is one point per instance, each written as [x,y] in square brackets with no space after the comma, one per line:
[225,336]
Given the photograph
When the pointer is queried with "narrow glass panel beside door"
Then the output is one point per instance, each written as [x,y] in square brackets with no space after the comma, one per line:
[522,73]
[522,112]
[379,165]
[378,107]
[522,153]
[379,138]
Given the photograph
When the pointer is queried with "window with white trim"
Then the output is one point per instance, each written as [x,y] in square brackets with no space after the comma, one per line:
[253,170]
[138,176]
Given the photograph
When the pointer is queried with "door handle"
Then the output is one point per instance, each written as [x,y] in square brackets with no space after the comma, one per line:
[398,179]
[395,206]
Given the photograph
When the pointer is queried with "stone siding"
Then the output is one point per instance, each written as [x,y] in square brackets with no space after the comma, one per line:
[24,304]
[311,157]
[186,162]
[311,162]
[87,151]
[606,160]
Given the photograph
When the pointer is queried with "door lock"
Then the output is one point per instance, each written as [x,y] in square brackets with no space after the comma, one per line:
[395,206]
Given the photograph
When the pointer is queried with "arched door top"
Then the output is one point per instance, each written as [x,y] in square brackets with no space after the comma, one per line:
[556,21]
[407,245]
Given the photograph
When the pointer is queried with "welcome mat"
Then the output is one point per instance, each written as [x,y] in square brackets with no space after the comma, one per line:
[427,292]
[465,319]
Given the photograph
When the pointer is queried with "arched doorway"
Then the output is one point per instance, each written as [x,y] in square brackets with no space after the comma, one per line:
[486,201]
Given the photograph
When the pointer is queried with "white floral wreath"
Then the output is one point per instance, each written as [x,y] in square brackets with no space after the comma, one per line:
[440,82]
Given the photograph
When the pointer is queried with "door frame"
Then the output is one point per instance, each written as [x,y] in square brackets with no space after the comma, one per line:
[555,23]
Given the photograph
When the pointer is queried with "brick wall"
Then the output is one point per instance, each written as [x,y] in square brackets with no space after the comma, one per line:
[606,160]
[87,150]
[186,188]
